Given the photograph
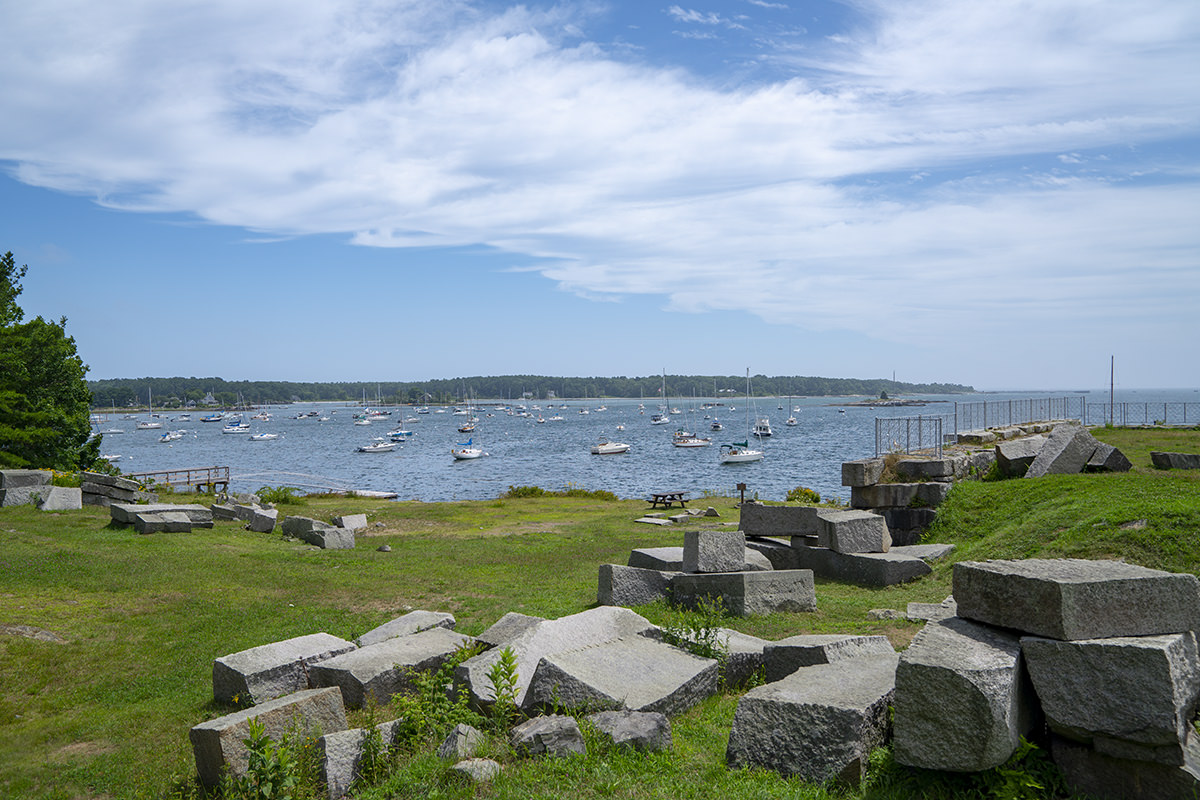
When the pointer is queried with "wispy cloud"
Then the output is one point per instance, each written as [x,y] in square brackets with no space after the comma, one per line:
[811,201]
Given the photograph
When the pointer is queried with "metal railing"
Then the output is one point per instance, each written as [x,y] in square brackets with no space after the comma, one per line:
[1126,414]
[984,414]
[908,435]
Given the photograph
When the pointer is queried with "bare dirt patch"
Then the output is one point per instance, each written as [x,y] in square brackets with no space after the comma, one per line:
[31,632]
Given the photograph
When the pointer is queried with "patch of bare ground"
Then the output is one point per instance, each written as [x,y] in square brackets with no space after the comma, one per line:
[900,635]
[81,751]
[31,632]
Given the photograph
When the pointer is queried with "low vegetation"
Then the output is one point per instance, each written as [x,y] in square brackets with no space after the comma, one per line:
[106,714]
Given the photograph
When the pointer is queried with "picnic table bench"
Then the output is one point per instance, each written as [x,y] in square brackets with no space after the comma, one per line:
[668,498]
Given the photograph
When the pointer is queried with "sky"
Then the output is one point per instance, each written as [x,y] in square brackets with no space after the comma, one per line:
[1001,194]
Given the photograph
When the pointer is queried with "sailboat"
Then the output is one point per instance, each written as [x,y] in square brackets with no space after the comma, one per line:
[152,424]
[661,417]
[466,450]
[739,452]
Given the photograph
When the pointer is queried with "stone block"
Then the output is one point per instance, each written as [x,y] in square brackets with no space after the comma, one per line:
[756,561]
[406,625]
[981,461]
[653,521]
[507,628]
[863,472]
[111,481]
[1066,452]
[634,673]
[861,569]
[22,495]
[317,533]
[1103,777]
[89,499]
[853,532]
[463,742]
[218,744]
[976,437]
[631,586]
[962,699]
[23,478]
[757,519]
[1015,456]
[340,754]
[907,525]
[664,559]
[381,670]
[556,735]
[748,593]
[950,466]
[222,512]
[548,637]
[162,522]
[1128,697]
[645,731]
[245,512]
[899,495]
[743,656]
[351,522]
[264,520]
[932,612]
[820,723]
[778,553]
[271,670]
[124,513]
[784,657]
[61,498]
[478,770]
[713,551]
[1175,460]
[119,495]
[1077,599]
[1107,458]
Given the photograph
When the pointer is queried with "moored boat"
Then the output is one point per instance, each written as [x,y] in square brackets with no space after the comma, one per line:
[605,448]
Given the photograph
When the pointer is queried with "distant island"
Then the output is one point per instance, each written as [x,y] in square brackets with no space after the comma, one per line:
[177,392]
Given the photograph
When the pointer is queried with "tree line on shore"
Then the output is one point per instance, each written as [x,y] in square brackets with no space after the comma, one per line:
[179,391]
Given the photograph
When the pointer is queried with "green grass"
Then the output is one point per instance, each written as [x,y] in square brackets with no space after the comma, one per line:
[106,715]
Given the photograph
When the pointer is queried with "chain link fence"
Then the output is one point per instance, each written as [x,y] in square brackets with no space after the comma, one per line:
[1126,414]
[908,435]
[984,414]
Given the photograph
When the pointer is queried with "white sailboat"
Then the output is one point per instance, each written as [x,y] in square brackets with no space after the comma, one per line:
[741,452]
[465,451]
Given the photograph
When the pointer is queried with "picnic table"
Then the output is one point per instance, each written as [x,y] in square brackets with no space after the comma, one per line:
[668,498]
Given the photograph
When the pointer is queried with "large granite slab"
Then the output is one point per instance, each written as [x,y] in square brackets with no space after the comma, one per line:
[271,670]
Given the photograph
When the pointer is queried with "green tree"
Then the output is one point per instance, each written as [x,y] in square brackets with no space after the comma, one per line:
[10,287]
[44,398]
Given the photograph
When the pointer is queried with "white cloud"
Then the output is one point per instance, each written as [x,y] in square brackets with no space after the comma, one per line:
[809,202]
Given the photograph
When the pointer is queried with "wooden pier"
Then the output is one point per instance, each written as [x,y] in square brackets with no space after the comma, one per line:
[210,479]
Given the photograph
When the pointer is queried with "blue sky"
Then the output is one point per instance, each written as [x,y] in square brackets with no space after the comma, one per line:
[1001,194]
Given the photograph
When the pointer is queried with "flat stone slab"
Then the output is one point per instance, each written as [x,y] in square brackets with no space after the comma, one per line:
[713,551]
[925,552]
[549,637]
[218,743]
[853,532]
[223,512]
[664,559]
[961,702]
[861,569]
[744,656]
[932,612]
[478,770]
[1175,460]
[406,625]
[654,521]
[317,533]
[264,520]
[899,495]
[820,723]
[1066,452]
[635,673]
[351,522]
[125,513]
[863,472]
[630,586]
[162,522]
[271,670]
[381,670]
[1015,455]
[757,519]
[556,735]
[61,498]
[111,492]
[111,481]
[507,628]
[953,465]
[1077,599]
[786,656]
[644,731]
[22,478]
[748,593]
[1128,697]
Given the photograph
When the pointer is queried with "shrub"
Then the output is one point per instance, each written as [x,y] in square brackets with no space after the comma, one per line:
[280,495]
[802,494]
[430,710]
[524,491]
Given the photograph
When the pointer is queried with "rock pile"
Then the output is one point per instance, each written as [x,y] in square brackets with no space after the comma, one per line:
[161,517]
[1105,651]
[711,564]
[20,487]
[104,490]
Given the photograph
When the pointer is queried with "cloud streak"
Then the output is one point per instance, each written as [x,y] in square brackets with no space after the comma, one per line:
[994,166]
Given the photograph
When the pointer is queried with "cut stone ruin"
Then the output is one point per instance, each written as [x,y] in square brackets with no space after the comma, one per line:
[20,487]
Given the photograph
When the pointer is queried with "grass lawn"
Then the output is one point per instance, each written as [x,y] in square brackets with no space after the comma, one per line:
[105,713]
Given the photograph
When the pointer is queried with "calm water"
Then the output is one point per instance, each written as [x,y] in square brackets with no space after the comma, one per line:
[554,454]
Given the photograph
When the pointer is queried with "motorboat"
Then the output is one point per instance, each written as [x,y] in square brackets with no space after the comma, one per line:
[217,417]
[171,436]
[236,426]
[606,448]
[149,426]
[112,459]
[399,434]
[762,428]
[738,452]
[362,421]
[377,447]
[716,425]
[659,419]
[791,422]
[464,451]
[263,437]
[683,438]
